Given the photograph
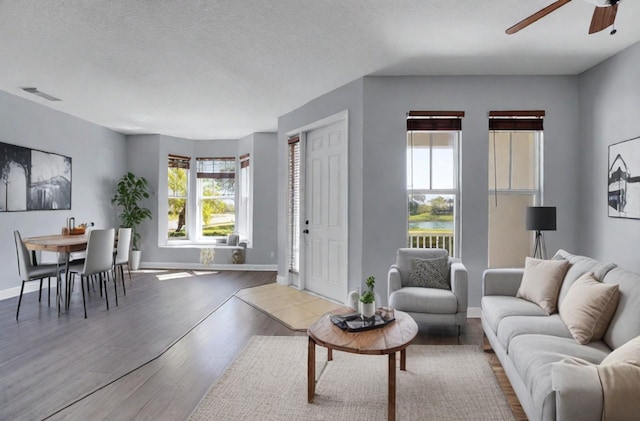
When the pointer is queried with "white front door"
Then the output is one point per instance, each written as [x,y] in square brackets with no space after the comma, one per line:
[325,222]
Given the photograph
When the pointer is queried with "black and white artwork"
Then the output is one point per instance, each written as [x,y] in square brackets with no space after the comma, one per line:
[33,180]
[624,179]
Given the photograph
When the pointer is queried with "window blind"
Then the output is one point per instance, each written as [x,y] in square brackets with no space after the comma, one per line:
[177,161]
[216,168]
[434,120]
[294,204]
[516,120]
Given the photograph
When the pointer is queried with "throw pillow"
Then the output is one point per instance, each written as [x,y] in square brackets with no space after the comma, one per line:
[541,282]
[627,352]
[430,273]
[588,308]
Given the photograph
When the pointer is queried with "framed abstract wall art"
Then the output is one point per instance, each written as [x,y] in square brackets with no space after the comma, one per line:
[624,179]
[31,179]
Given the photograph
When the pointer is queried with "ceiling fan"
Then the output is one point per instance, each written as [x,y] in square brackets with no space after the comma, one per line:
[604,15]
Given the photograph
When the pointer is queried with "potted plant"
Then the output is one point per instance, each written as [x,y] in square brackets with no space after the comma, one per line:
[367,304]
[130,191]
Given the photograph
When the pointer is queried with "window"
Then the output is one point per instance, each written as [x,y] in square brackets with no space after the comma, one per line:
[244,224]
[515,174]
[216,196]
[294,204]
[178,188]
[433,139]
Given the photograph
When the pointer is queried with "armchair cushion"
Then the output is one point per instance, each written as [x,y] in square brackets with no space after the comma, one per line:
[424,300]
[429,273]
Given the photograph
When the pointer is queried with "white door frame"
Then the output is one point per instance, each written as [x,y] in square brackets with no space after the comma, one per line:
[342,116]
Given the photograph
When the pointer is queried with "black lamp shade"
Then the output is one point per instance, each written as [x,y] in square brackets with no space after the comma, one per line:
[541,218]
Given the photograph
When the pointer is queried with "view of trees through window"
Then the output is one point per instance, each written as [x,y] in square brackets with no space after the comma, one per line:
[215,202]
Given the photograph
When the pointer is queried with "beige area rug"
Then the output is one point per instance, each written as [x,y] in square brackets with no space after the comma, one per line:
[268,381]
[294,308]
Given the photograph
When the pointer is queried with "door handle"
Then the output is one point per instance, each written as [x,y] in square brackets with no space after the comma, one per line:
[305,232]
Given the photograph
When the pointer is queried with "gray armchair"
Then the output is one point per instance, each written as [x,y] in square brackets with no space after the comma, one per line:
[429,305]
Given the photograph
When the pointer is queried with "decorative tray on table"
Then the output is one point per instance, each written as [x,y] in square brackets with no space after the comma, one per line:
[354,322]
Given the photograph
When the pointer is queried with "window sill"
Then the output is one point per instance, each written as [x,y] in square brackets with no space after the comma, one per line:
[197,245]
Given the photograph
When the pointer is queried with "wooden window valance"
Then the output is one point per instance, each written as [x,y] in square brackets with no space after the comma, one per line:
[516,120]
[434,120]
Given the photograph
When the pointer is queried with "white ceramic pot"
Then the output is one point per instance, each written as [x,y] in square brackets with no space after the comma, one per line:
[134,259]
[367,309]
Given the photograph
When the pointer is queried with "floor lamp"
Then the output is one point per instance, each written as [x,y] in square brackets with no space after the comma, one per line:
[540,218]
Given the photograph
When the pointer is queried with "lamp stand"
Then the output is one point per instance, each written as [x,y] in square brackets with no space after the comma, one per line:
[539,249]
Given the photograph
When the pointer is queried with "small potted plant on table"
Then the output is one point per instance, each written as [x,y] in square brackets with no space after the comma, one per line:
[367,304]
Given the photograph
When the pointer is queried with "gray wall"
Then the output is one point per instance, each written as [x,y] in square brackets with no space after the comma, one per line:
[609,113]
[386,101]
[377,144]
[146,157]
[98,160]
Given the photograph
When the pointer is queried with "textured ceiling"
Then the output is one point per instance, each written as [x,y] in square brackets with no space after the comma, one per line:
[206,69]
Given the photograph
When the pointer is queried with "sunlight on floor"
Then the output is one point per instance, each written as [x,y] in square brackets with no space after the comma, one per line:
[176,275]
[296,309]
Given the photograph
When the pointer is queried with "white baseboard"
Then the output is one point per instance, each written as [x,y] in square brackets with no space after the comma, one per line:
[282,280]
[474,312]
[28,287]
[200,266]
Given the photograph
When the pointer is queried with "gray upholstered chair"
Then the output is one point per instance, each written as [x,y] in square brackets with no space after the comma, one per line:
[429,305]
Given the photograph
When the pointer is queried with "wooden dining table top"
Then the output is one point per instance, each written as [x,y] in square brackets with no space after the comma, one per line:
[57,243]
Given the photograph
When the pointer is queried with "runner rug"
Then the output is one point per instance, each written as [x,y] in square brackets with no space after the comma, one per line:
[268,381]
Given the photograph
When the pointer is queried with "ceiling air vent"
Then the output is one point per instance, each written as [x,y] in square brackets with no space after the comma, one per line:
[35,91]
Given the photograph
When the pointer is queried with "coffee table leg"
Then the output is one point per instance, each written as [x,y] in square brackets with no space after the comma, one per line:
[311,370]
[392,387]
[403,360]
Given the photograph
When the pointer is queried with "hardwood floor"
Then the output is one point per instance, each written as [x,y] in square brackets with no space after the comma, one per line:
[169,386]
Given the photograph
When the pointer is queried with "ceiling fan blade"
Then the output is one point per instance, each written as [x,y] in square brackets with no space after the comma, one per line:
[536,16]
[603,17]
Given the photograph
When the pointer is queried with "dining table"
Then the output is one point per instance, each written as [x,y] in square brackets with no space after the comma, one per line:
[58,243]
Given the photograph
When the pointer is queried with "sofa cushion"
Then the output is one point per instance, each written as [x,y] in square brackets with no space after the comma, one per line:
[627,352]
[533,356]
[541,282]
[497,307]
[588,307]
[429,273]
[578,266]
[424,300]
[513,326]
[625,323]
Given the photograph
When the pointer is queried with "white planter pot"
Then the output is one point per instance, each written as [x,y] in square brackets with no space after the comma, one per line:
[134,259]
[367,310]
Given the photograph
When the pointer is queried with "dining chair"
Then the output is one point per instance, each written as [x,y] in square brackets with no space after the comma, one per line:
[30,272]
[122,256]
[98,262]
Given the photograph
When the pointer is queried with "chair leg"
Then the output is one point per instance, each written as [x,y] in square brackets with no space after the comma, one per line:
[103,281]
[115,288]
[20,300]
[40,293]
[124,288]
[128,270]
[83,279]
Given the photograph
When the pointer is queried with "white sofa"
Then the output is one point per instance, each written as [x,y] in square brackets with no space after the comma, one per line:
[538,352]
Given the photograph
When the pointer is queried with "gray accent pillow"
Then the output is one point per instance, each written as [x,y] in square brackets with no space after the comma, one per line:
[430,273]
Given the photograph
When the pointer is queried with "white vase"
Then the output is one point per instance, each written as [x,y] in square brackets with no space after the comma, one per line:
[134,259]
[367,310]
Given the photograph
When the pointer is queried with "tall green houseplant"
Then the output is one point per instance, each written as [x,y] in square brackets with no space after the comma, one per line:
[130,191]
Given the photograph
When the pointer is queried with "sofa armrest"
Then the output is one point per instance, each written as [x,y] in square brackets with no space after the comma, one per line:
[460,285]
[578,390]
[393,280]
[501,281]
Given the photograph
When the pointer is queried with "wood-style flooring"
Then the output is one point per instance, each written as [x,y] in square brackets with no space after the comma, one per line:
[169,386]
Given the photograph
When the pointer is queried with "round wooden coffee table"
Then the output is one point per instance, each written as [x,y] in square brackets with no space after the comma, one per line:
[386,340]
